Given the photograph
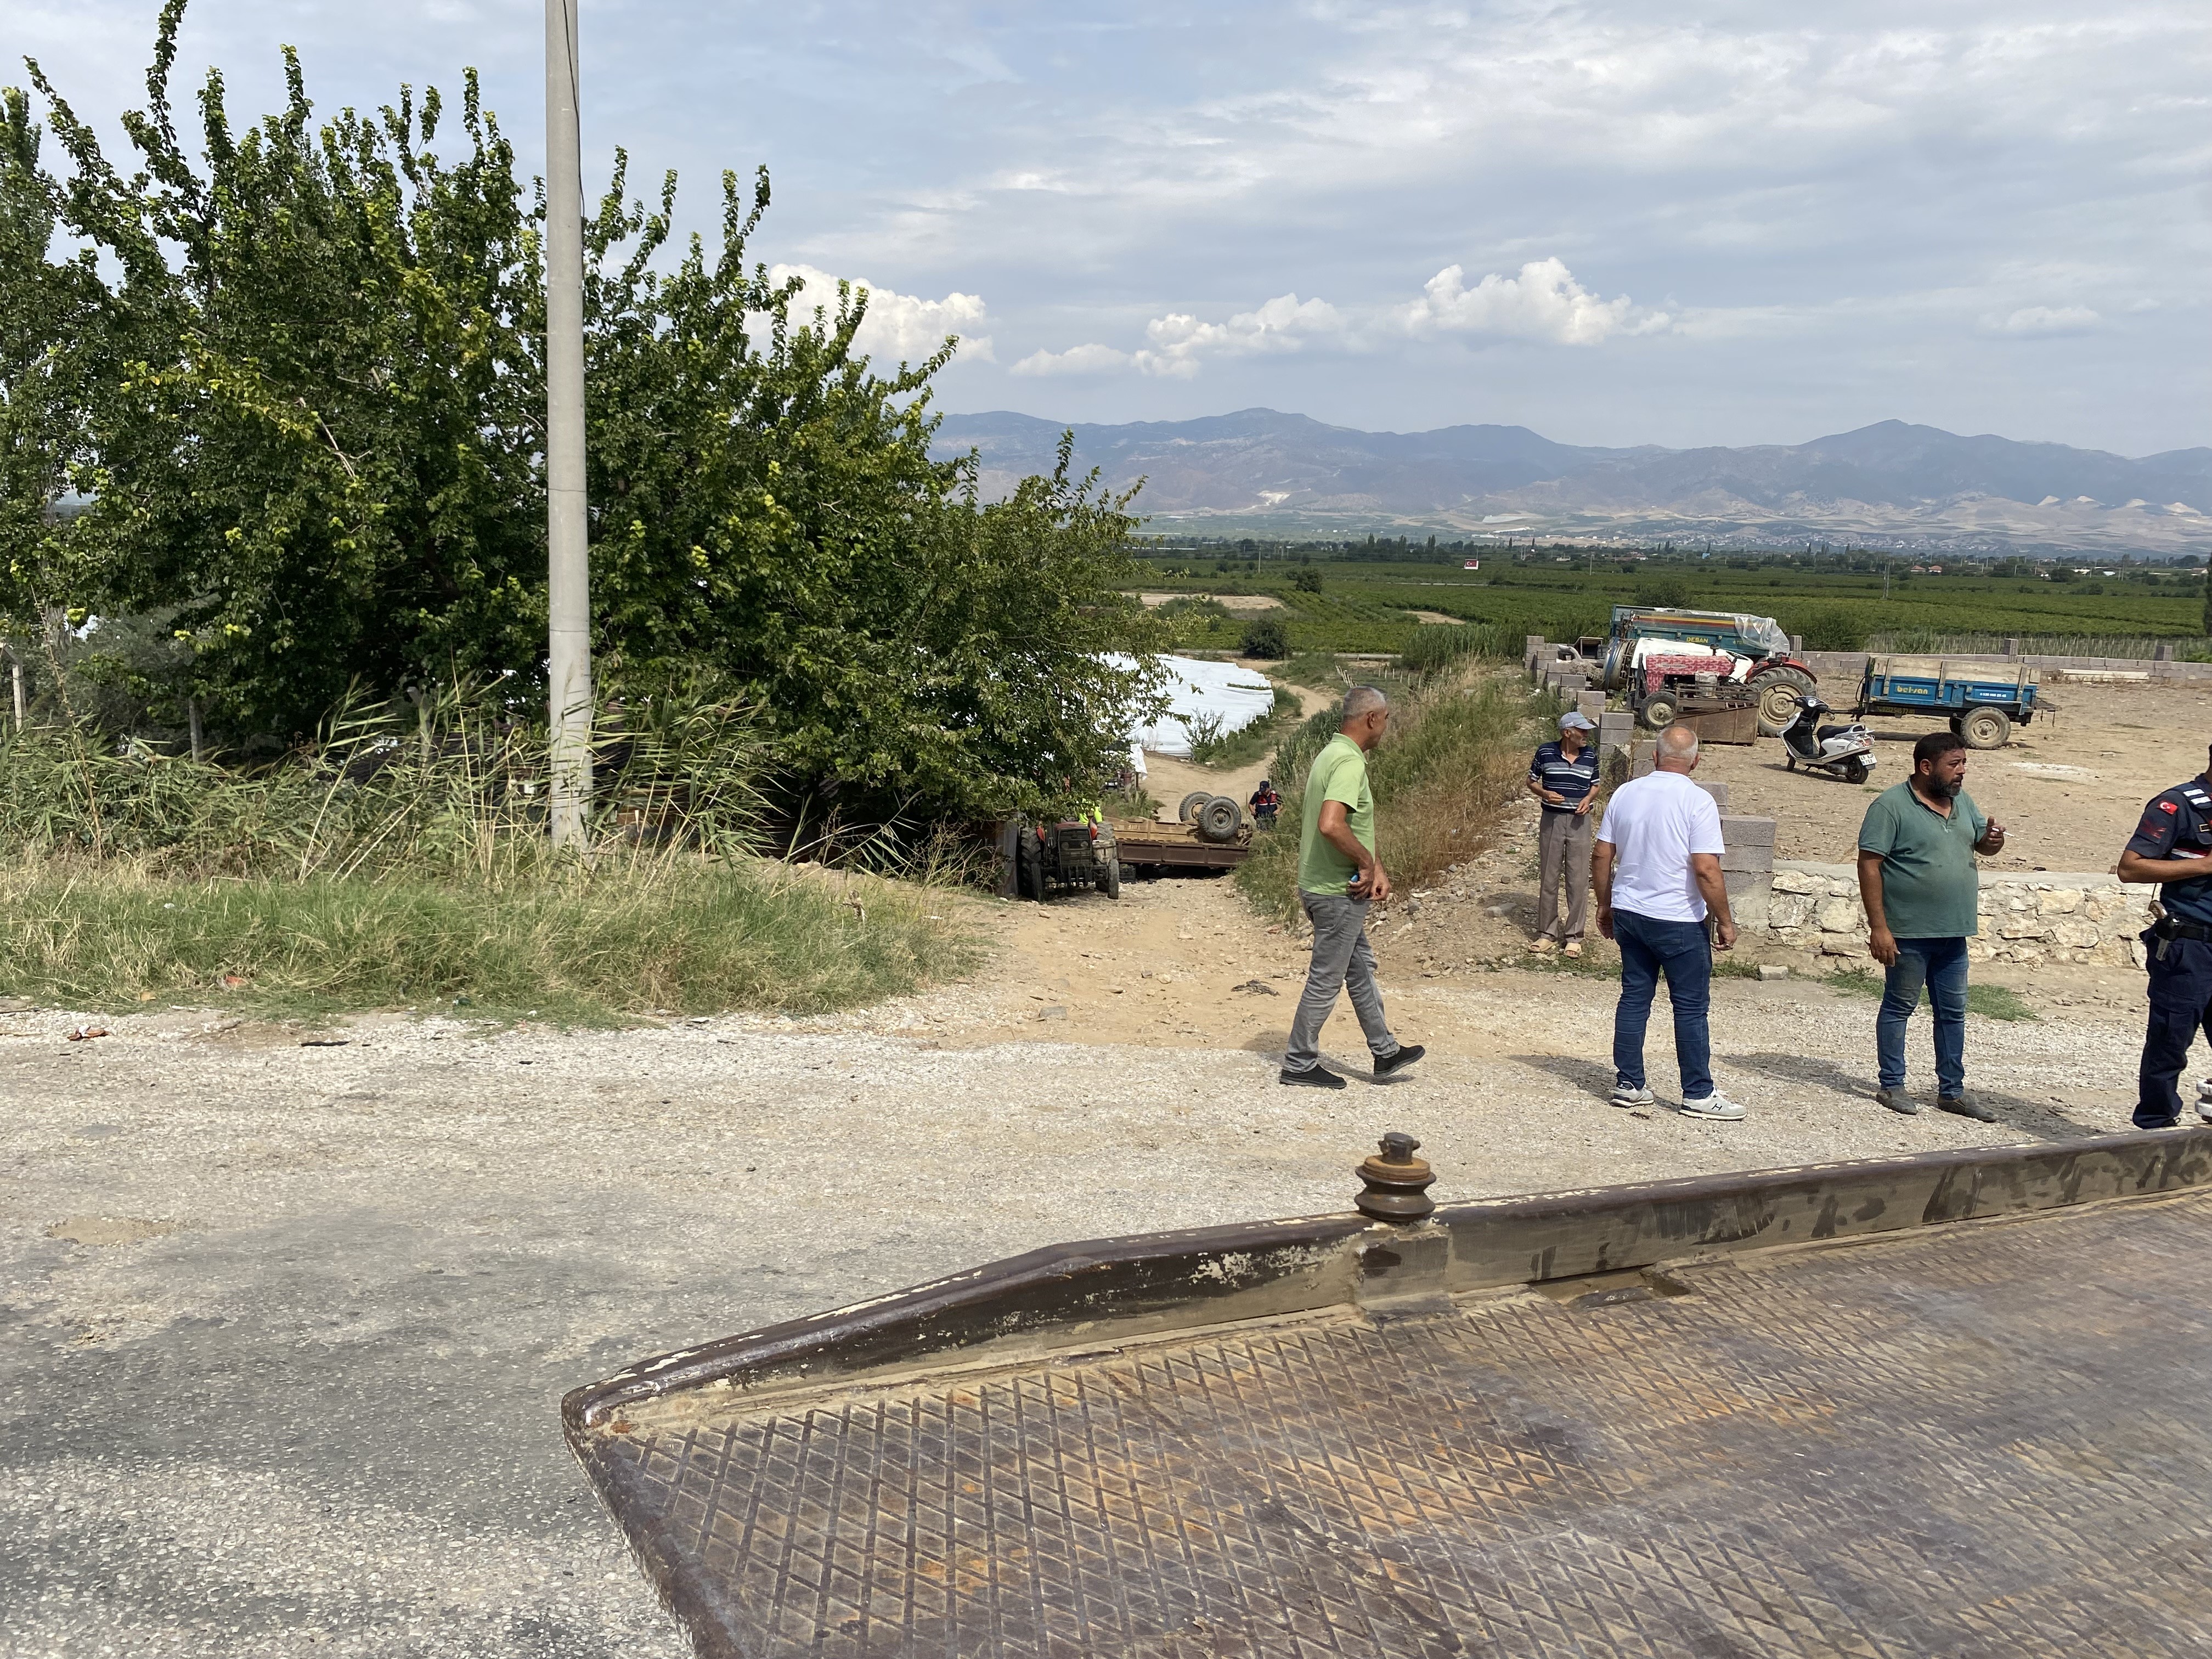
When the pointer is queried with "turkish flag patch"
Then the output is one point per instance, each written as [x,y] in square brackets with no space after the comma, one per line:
[2167,807]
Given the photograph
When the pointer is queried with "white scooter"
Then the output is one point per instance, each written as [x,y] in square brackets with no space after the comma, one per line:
[1845,750]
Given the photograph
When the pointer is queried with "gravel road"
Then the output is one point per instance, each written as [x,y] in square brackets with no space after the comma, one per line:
[286,1325]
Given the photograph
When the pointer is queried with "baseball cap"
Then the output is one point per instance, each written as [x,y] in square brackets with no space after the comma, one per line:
[1579,721]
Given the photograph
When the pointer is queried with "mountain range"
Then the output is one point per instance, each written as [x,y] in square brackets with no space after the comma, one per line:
[1889,485]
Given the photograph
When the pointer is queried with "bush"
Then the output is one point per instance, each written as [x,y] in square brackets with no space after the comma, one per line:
[1267,638]
[1831,629]
[1307,581]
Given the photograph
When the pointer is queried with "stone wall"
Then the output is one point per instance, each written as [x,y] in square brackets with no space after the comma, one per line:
[2027,917]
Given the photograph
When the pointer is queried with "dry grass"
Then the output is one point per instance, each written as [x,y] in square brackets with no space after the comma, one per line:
[1456,752]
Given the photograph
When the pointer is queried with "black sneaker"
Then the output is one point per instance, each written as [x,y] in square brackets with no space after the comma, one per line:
[1407,1055]
[1314,1077]
[1965,1106]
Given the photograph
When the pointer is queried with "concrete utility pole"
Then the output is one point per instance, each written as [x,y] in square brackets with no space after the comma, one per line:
[567,550]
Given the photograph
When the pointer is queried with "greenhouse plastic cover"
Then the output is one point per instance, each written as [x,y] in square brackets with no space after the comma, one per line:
[1196,689]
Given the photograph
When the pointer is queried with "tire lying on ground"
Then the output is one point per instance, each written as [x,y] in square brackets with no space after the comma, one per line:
[1220,818]
[1188,811]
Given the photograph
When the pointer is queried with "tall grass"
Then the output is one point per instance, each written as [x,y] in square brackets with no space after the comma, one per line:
[647,931]
[1456,750]
[403,860]
[451,786]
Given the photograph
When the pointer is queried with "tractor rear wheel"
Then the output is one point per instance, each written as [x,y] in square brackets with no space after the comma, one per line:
[1110,878]
[1188,811]
[1777,690]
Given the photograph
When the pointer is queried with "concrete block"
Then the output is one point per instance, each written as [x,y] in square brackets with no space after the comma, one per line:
[1719,792]
[1644,757]
[1747,859]
[1590,705]
[1746,831]
[1772,970]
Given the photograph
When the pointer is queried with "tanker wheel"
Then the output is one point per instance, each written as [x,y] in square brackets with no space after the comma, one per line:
[1189,811]
[1659,711]
[1986,728]
[1778,689]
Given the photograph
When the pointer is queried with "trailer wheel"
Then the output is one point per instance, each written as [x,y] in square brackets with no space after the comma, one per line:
[1659,711]
[1220,818]
[1188,811]
[1986,728]
[1778,689]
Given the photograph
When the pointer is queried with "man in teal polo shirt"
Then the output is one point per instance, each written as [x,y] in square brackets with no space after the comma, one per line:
[1920,886]
[1338,877]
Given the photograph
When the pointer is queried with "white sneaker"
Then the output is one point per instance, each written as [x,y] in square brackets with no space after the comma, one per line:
[2204,1100]
[1714,1105]
[1624,1096]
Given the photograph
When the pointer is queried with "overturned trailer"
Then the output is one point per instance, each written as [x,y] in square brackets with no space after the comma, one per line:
[1943,1404]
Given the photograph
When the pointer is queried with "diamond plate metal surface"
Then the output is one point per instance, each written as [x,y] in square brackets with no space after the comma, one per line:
[1977,1440]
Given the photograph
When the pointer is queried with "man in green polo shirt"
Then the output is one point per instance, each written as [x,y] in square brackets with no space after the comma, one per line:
[1919,882]
[1338,878]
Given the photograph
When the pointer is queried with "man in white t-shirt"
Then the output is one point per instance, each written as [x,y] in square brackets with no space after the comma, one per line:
[1657,871]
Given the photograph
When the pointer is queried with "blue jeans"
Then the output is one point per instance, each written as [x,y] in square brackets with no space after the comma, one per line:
[1682,952]
[1941,965]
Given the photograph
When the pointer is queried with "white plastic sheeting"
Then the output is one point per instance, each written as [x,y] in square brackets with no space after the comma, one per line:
[1198,691]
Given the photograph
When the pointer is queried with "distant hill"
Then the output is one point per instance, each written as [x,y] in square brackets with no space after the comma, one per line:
[1888,485]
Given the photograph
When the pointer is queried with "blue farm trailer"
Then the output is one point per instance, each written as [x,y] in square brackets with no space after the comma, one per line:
[1983,701]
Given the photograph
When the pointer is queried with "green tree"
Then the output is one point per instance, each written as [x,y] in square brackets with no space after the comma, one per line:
[50,328]
[323,453]
[318,450]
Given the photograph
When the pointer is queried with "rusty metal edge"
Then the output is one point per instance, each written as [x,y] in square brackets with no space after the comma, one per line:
[1144,1282]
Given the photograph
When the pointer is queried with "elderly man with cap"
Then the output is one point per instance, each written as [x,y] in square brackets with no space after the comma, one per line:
[1564,776]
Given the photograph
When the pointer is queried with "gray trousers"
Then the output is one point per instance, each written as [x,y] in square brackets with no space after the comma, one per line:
[1341,960]
[1562,840]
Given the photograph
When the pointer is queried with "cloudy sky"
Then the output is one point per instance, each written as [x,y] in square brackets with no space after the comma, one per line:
[1748,222]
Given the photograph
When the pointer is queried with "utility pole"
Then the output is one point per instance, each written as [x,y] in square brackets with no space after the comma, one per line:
[567,550]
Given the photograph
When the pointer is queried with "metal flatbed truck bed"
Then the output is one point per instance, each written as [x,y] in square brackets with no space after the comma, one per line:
[1955,1405]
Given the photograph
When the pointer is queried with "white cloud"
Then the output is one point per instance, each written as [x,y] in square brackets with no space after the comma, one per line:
[1285,323]
[1076,360]
[898,326]
[1544,303]
[2043,321]
[1180,341]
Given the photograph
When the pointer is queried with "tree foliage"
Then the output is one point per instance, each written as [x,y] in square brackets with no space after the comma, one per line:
[319,452]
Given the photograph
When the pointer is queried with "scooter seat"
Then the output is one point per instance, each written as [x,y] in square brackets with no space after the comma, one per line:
[1827,731]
